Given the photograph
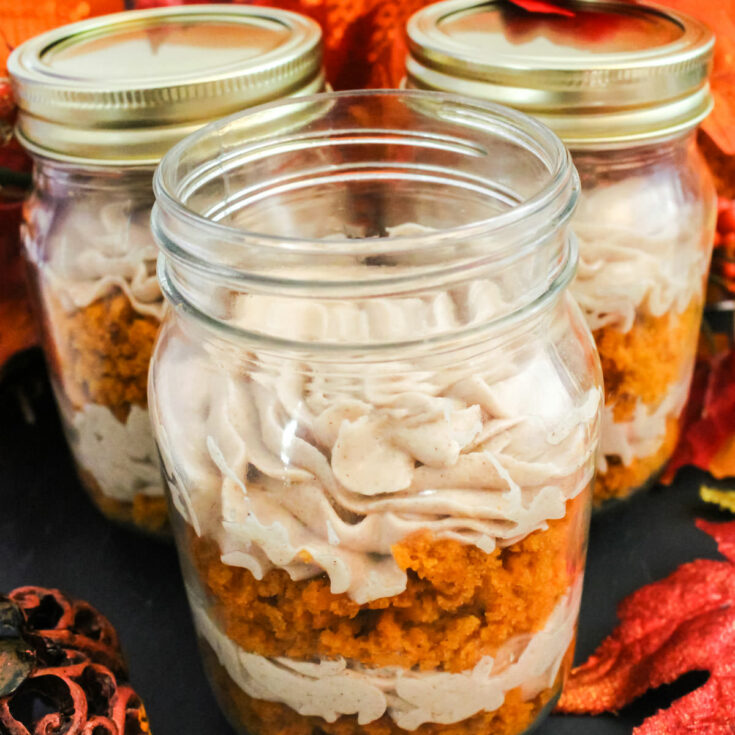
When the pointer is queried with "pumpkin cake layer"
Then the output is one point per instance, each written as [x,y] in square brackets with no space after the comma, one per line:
[104,350]
[459,604]
[647,371]
[148,513]
[101,356]
[336,689]
[642,364]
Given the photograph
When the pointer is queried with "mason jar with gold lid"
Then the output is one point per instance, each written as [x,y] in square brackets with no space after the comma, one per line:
[625,86]
[100,102]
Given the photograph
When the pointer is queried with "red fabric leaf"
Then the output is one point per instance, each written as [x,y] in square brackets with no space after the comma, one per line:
[708,425]
[709,420]
[536,6]
[683,623]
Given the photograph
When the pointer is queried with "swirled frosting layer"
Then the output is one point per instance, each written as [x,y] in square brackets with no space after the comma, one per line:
[94,246]
[121,457]
[318,467]
[332,688]
[645,432]
[640,248]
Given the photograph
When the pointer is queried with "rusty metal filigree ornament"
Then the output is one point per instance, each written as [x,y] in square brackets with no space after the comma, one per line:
[62,670]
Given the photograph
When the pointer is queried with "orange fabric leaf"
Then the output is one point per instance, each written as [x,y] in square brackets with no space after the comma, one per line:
[683,623]
[720,16]
[27,18]
[21,21]
[708,425]
[723,463]
[17,327]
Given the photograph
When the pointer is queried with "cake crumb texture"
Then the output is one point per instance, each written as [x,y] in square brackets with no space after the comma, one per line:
[146,513]
[460,604]
[620,481]
[643,363]
[104,352]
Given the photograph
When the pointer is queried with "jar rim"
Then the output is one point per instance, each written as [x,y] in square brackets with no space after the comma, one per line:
[436,344]
[524,194]
[562,177]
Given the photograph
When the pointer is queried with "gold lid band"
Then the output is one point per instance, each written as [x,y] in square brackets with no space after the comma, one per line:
[615,72]
[124,88]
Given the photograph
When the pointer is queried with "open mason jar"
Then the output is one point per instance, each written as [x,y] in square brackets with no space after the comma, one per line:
[625,86]
[100,102]
[377,408]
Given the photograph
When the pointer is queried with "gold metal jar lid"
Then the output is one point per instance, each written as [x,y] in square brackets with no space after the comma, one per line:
[123,88]
[608,72]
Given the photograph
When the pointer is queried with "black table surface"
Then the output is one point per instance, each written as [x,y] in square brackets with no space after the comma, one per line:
[50,535]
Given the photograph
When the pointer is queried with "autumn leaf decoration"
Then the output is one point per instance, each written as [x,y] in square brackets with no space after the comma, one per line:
[537,6]
[683,623]
[720,16]
[21,21]
[708,431]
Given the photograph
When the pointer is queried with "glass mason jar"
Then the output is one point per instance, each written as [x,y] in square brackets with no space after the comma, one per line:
[383,456]
[92,257]
[625,86]
[100,102]
[645,225]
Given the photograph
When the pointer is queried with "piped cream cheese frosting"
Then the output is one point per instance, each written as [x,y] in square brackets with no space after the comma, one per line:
[121,456]
[94,246]
[332,688]
[318,468]
[645,432]
[639,248]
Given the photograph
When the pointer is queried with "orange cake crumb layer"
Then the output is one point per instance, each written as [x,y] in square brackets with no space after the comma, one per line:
[642,366]
[257,717]
[103,351]
[147,513]
[459,605]
[100,354]
[643,363]
[620,480]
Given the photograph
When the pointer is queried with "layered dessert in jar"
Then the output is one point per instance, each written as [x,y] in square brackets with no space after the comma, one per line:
[382,483]
[94,262]
[99,103]
[645,246]
[414,564]
[625,86]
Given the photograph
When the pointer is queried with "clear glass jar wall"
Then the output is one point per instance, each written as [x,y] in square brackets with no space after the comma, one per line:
[92,258]
[645,224]
[625,86]
[100,102]
[382,463]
